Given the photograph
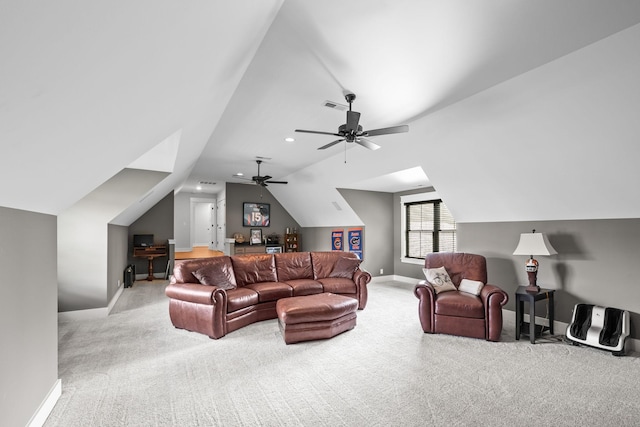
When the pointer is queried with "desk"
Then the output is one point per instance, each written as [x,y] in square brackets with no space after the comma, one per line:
[521,296]
[150,252]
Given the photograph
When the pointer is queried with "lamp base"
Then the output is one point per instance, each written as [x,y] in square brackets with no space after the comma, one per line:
[533,276]
[532,289]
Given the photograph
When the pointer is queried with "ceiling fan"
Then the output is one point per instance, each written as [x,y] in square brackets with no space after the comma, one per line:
[352,131]
[261,180]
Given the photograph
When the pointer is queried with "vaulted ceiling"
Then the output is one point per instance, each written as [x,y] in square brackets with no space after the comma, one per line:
[517,110]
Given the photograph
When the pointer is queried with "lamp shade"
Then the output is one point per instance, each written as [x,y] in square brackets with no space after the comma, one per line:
[534,244]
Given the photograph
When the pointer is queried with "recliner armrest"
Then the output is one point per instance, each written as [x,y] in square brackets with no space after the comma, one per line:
[492,294]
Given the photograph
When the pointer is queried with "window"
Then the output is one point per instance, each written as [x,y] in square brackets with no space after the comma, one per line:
[429,227]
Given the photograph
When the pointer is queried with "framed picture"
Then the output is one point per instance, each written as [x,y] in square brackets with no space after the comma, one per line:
[256,236]
[256,214]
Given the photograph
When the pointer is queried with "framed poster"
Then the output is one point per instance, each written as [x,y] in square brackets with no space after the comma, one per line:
[336,240]
[255,214]
[355,242]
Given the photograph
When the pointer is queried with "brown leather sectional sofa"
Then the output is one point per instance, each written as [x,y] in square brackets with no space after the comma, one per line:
[215,296]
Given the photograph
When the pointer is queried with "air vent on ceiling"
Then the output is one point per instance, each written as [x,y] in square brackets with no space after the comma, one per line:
[334,105]
[207,183]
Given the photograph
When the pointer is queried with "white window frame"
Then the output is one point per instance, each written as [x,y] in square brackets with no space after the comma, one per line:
[411,198]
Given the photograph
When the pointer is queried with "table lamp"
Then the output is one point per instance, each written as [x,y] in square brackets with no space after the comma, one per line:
[533,244]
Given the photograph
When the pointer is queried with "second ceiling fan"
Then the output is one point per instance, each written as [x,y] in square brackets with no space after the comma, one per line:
[353,132]
[260,180]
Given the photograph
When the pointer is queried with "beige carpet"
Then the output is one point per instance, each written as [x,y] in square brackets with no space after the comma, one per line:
[135,369]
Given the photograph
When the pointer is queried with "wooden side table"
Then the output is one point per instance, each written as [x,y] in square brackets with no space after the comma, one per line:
[521,296]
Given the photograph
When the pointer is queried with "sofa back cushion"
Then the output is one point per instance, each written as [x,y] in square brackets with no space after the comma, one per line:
[183,269]
[293,265]
[256,268]
[217,273]
[325,263]
[459,265]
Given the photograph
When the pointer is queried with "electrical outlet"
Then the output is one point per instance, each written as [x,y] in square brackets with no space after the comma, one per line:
[382,271]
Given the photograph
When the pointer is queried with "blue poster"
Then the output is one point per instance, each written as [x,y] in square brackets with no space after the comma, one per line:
[356,242]
[336,240]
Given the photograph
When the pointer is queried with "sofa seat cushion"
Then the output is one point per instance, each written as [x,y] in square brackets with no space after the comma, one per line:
[461,304]
[271,291]
[241,298]
[305,287]
[338,285]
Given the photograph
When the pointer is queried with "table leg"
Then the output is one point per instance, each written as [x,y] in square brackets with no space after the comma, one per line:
[519,316]
[532,320]
[551,310]
[150,276]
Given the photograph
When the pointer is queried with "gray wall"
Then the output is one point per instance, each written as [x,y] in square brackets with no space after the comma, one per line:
[280,219]
[595,263]
[117,253]
[376,212]
[157,221]
[28,313]
[182,220]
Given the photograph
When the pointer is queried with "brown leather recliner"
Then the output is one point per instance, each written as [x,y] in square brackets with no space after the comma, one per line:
[456,312]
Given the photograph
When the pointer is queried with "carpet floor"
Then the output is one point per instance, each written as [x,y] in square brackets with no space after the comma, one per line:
[134,369]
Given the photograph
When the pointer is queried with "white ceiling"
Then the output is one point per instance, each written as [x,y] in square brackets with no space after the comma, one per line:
[90,89]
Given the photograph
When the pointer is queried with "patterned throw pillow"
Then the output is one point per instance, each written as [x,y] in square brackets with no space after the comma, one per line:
[439,279]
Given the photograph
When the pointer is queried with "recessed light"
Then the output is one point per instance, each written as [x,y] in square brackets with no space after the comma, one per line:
[199,187]
[239,174]
[289,139]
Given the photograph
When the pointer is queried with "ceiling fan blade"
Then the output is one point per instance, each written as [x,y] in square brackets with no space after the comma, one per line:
[318,132]
[277,182]
[367,144]
[386,131]
[353,117]
[331,144]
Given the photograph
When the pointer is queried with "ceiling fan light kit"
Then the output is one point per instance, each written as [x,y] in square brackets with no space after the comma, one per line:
[352,131]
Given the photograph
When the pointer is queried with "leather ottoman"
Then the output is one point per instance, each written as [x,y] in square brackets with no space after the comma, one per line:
[315,317]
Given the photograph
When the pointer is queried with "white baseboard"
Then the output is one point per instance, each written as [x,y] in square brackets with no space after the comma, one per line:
[91,313]
[115,298]
[395,278]
[38,419]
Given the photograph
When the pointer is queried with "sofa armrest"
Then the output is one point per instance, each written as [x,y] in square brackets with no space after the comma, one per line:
[193,292]
[361,278]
